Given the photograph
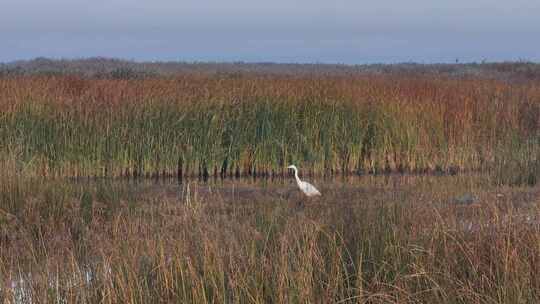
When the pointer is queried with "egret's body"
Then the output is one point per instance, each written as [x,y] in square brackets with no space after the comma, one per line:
[308,189]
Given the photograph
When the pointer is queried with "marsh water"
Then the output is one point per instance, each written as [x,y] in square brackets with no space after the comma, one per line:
[285,188]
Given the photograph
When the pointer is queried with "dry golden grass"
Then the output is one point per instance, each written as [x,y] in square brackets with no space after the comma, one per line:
[386,239]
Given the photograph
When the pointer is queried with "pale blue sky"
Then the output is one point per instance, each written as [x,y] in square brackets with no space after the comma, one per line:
[340,31]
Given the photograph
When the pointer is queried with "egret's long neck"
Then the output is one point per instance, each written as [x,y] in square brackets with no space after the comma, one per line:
[296,176]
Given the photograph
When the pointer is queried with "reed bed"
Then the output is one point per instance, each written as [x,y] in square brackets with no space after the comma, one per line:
[239,125]
[390,238]
[396,239]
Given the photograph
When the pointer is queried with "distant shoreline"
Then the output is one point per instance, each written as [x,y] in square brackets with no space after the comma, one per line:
[101,66]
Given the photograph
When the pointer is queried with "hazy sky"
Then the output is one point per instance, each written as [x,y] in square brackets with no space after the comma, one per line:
[339,31]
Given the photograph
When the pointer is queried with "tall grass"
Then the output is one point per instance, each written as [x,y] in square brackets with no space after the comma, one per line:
[397,240]
[254,125]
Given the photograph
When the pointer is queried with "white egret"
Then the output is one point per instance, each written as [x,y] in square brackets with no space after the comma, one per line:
[306,187]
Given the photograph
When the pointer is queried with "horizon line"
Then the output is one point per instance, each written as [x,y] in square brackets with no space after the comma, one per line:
[249,62]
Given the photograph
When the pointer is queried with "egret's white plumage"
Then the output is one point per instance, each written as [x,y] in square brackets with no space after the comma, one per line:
[306,187]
